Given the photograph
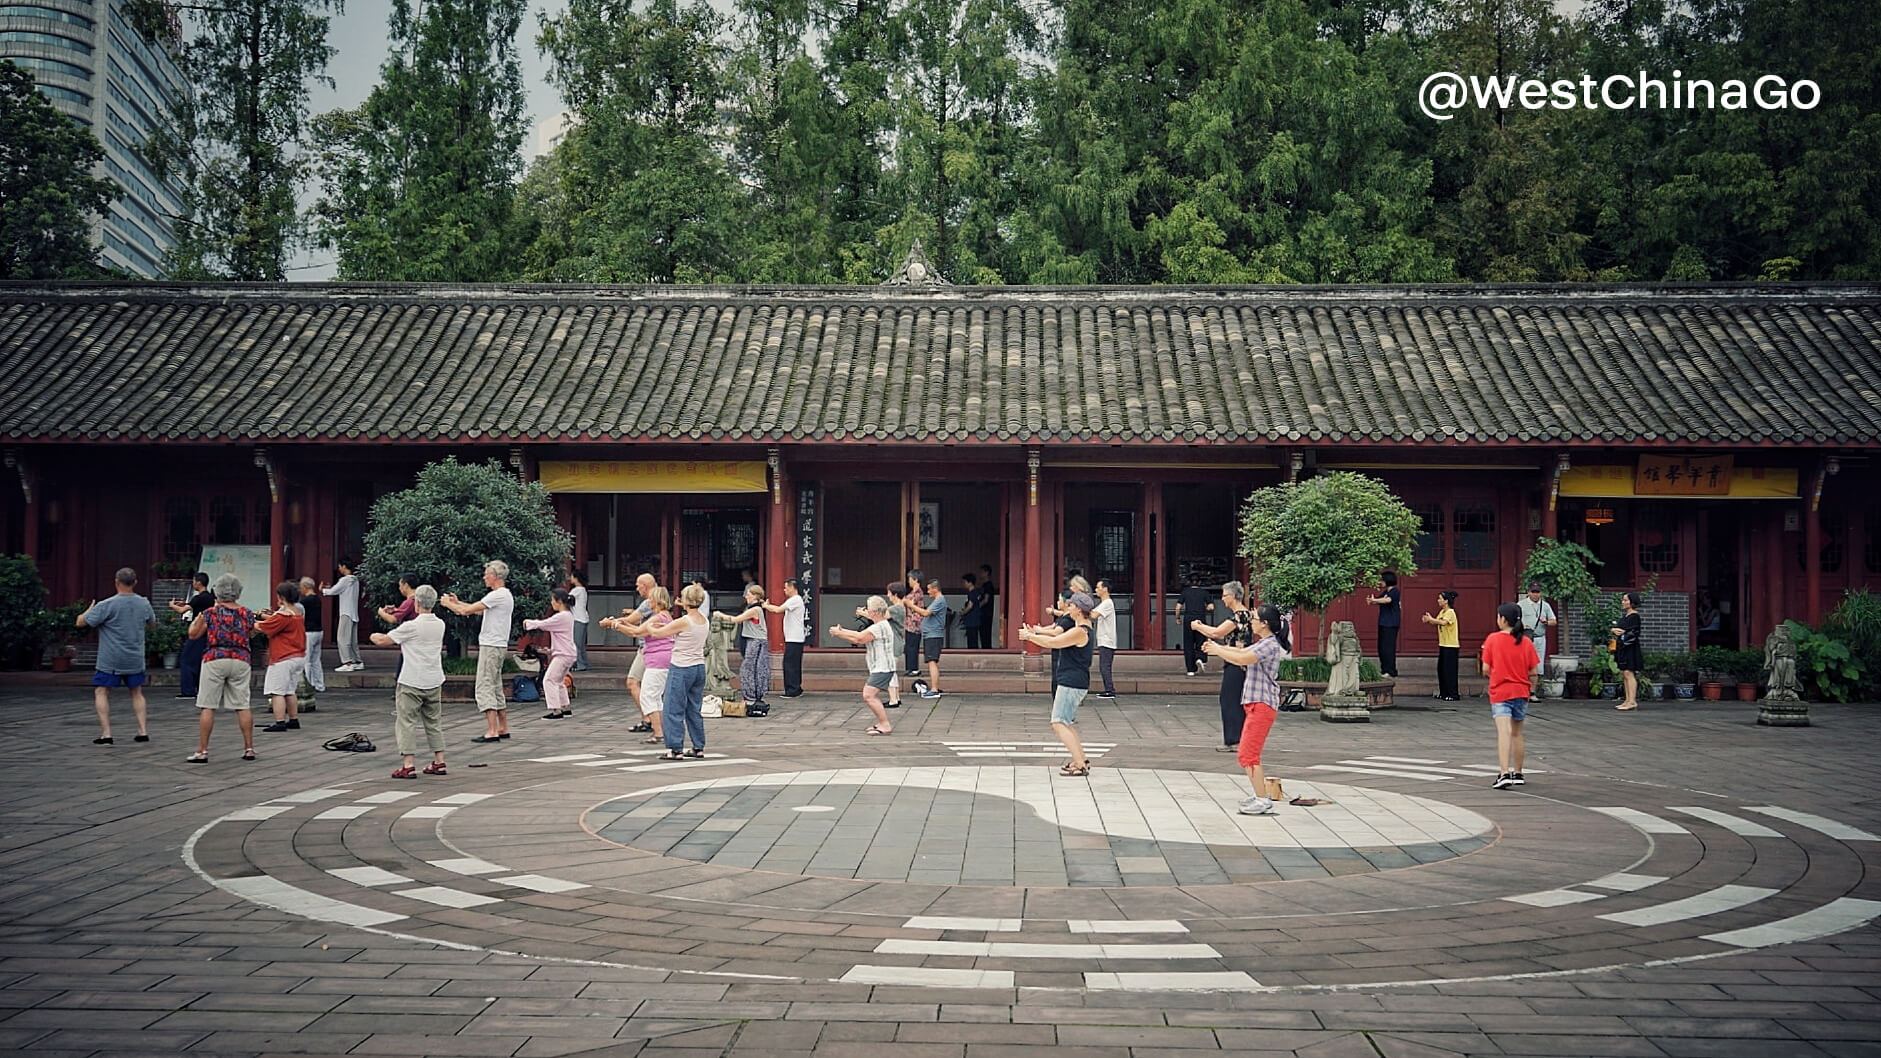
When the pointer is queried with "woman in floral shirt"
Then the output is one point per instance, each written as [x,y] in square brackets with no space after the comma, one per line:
[226,666]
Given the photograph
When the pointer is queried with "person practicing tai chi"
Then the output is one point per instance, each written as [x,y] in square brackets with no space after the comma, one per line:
[1072,668]
[1509,659]
[497,606]
[879,638]
[1260,695]
[560,625]
[658,657]
[417,701]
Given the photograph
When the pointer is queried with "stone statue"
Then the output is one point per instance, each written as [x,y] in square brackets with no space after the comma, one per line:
[1342,650]
[718,644]
[1779,667]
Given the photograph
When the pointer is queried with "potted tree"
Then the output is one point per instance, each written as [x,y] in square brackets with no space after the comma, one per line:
[1310,542]
[163,641]
[1658,675]
[59,630]
[1565,572]
[1684,674]
[1714,664]
[1746,668]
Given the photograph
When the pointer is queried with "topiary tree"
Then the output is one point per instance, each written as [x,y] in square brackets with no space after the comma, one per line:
[22,594]
[1312,541]
[455,518]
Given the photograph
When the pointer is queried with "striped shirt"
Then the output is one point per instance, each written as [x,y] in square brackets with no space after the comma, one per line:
[1262,683]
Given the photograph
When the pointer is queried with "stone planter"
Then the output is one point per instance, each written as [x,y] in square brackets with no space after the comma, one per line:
[1783,714]
[1380,692]
[464,688]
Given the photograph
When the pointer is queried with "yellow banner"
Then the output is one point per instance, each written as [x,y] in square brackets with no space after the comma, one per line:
[678,475]
[1747,483]
[1683,476]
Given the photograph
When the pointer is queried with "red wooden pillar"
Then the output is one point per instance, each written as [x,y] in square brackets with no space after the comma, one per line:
[1550,498]
[1029,592]
[777,564]
[1812,548]
[1159,567]
[1776,542]
[1140,558]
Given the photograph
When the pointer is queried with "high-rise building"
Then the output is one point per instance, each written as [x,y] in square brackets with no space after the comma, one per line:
[94,66]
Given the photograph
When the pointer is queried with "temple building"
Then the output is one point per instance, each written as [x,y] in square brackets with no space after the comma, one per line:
[1721,438]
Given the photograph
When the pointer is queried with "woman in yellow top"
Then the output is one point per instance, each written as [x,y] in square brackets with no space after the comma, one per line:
[1447,643]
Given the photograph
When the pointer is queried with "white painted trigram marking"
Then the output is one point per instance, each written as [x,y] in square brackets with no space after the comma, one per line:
[1820,824]
[468,865]
[1642,821]
[565,758]
[346,812]
[1080,925]
[1735,824]
[1834,917]
[388,797]
[270,892]
[257,813]
[1626,883]
[429,812]
[1021,750]
[1723,898]
[444,897]
[930,976]
[1205,981]
[539,883]
[367,876]
[1554,898]
[463,798]
[984,925]
[692,762]
[1012,949]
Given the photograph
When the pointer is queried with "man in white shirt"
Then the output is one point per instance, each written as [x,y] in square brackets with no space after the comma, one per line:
[1537,618]
[497,606]
[796,630]
[346,634]
[1104,624]
[418,699]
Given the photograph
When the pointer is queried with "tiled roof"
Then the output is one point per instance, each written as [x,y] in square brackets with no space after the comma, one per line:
[1566,365]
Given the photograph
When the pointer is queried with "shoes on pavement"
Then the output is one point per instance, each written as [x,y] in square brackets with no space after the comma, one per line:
[1257,806]
[1515,779]
[278,725]
[1105,694]
[930,694]
[1503,781]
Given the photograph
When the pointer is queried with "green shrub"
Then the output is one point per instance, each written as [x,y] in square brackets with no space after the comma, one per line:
[22,595]
[1825,665]
[1319,670]
[1714,662]
[1747,665]
[468,666]
[1856,622]
[1311,542]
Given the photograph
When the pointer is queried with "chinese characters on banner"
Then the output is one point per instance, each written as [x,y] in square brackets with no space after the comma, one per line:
[1682,476]
[806,552]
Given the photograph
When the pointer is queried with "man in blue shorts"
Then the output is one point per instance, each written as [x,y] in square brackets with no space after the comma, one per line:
[120,622]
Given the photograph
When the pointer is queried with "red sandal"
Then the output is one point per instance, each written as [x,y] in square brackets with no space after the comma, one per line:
[407,772]
[435,769]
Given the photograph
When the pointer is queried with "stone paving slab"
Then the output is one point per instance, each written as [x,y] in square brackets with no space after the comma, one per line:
[1347,936]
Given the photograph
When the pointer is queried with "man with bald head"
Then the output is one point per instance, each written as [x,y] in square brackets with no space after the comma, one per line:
[643,586]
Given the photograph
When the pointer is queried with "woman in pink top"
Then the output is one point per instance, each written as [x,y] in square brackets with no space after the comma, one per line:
[560,626]
[659,654]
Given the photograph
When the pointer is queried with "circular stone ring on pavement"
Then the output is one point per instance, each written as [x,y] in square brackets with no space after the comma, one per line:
[1027,826]
[1014,877]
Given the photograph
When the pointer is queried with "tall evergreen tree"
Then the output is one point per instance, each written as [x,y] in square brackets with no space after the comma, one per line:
[47,193]
[645,154]
[419,182]
[232,140]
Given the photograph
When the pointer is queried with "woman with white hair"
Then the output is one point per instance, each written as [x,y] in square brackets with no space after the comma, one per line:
[227,666]
[1236,631]
[879,638]
[685,677]
[418,699]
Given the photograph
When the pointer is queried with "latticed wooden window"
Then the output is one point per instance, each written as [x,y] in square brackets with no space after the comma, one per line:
[1657,541]
[182,535]
[1428,549]
[1475,543]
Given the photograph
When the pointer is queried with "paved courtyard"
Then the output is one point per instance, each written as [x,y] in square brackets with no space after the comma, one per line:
[1672,882]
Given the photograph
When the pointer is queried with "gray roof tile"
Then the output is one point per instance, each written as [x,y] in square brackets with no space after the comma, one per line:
[1722,364]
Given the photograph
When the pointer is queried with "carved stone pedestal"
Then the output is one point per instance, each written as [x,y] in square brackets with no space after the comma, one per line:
[1346,709]
[1782,714]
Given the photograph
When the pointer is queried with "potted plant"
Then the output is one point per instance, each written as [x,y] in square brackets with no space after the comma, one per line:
[1309,676]
[59,629]
[163,641]
[1684,673]
[1604,674]
[1714,667]
[1747,668]
[1658,675]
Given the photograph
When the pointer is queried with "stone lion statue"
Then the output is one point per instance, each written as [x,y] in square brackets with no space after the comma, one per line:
[1342,651]
[718,644]
[1779,667]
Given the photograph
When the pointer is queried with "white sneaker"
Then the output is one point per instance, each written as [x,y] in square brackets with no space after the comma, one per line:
[1257,806]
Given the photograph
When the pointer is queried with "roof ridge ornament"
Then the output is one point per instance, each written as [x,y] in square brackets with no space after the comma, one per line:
[916,271]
